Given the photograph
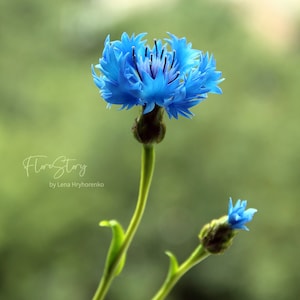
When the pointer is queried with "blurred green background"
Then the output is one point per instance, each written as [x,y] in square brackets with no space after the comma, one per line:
[243,144]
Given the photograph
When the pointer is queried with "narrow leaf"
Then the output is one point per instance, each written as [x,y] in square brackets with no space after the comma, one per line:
[173,265]
[115,246]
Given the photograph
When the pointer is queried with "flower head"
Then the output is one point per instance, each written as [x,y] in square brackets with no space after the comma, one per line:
[238,215]
[133,73]
[217,236]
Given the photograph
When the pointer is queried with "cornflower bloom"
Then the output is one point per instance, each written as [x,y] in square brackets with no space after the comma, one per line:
[134,74]
[217,235]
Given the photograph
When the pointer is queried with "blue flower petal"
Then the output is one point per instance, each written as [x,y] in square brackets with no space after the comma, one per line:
[186,57]
[238,215]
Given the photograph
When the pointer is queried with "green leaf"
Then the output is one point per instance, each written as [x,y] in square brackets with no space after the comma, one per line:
[115,246]
[173,265]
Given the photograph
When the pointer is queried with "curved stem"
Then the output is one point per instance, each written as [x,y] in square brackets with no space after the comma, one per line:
[147,168]
[196,257]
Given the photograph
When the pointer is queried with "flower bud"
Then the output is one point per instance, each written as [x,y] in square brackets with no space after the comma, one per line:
[217,235]
[149,128]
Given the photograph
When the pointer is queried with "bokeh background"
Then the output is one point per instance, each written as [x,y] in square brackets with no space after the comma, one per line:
[243,144]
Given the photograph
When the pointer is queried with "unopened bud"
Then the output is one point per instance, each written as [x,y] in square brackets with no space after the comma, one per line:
[217,235]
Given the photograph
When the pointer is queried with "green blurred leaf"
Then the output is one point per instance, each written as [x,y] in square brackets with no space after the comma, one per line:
[115,245]
[173,264]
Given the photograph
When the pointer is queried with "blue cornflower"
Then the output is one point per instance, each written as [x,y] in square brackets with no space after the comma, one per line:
[133,73]
[238,215]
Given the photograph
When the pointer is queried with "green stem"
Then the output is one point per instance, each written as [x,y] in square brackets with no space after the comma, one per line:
[196,257]
[147,167]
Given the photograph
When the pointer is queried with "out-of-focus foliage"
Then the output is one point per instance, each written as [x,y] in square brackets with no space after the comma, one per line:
[243,144]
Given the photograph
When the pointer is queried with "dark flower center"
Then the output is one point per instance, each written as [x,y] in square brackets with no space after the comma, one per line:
[152,63]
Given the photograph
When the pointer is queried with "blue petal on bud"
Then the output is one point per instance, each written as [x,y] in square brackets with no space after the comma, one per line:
[238,215]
